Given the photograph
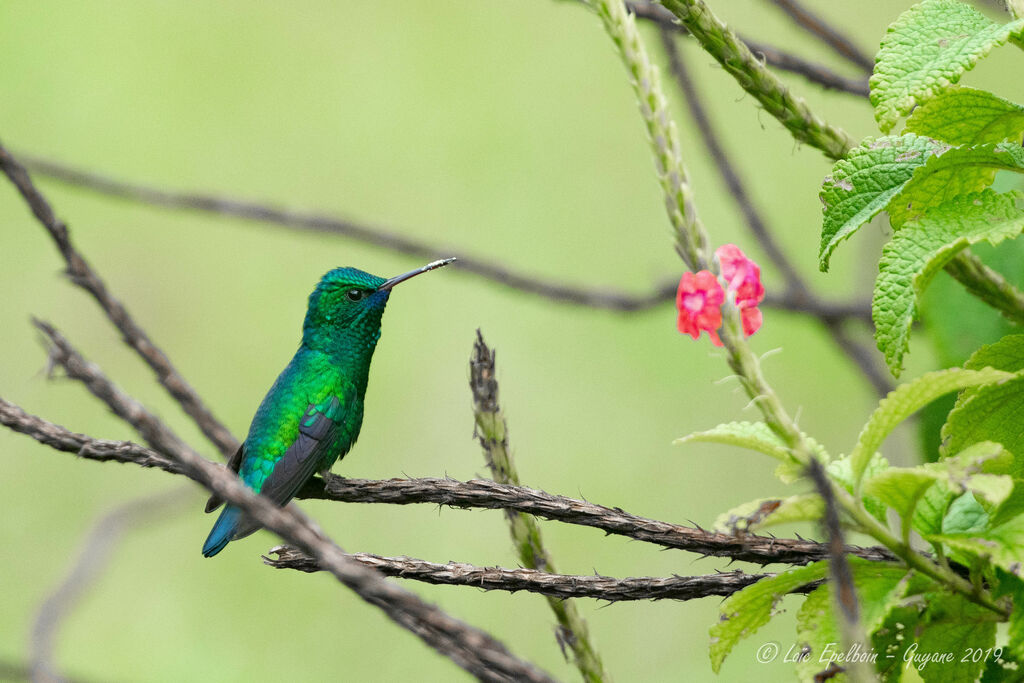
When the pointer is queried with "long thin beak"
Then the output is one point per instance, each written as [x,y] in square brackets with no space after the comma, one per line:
[413,273]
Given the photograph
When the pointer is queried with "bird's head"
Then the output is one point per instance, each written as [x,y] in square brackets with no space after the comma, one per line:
[347,305]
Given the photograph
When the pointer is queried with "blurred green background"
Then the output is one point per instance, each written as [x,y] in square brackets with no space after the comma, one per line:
[504,130]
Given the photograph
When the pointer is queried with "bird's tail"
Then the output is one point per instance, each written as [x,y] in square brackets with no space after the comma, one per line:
[223,531]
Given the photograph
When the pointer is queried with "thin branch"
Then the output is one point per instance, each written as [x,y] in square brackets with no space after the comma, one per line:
[812,71]
[603,299]
[95,555]
[843,591]
[796,288]
[826,33]
[63,354]
[476,493]
[491,430]
[474,650]
[559,586]
[82,274]
[490,495]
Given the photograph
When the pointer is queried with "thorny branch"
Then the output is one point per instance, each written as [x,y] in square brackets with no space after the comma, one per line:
[474,650]
[603,299]
[796,288]
[490,495]
[83,275]
[560,586]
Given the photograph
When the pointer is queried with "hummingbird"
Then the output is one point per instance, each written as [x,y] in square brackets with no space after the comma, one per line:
[312,414]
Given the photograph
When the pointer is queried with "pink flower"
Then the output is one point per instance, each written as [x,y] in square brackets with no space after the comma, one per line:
[743,276]
[699,300]
[700,295]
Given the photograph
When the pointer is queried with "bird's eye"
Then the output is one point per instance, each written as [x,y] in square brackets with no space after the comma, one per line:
[354,294]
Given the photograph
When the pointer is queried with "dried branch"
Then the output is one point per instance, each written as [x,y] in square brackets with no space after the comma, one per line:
[491,430]
[92,560]
[474,650]
[560,586]
[82,274]
[149,426]
[812,71]
[603,299]
[490,495]
[826,33]
[796,287]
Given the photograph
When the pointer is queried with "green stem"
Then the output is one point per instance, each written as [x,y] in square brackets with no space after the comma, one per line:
[492,431]
[753,76]
[691,238]
[988,285]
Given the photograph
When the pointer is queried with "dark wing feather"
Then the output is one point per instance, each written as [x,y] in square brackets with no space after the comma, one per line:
[234,464]
[318,430]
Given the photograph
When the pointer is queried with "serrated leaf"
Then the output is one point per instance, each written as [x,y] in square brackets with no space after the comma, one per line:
[891,641]
[878,586]
[863,184]
[994,413]
[1002,545]
[959,171]
[926,50]
[841,471]
[905,400]
[756,436]
[965,516]
[967,116]
[901,488]
[765,512]
[742,613]
[921,249]
[952,625]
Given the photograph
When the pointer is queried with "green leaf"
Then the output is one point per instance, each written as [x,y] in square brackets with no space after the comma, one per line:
[966,116]
[892,639]
[931,510]
[920,250]
[1002,545]
[904,401]
[764,512]
[863,184]
[756,436]
[965,516]
[879,588]
[901,488]
[744,612]
[841,471]
[952,625]
[926,50]
[959,171]
[995,413]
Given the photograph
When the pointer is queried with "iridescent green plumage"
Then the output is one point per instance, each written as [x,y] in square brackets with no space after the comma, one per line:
[312,414]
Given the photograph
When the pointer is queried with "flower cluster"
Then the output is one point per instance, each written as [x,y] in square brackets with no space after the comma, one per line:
[700,295]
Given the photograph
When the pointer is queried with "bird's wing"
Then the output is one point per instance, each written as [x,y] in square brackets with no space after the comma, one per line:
[319,432]
[234,464]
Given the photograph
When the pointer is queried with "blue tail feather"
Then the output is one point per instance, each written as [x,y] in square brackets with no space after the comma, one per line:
[223,531]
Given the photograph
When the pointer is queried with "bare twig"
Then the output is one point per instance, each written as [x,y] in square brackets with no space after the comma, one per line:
[812,71]
[474,650]
[82,274]
[492,432]
[796,288]
[490,495]
[604,299]
[826,33]
[92,560]
[558,586]
[149,426]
